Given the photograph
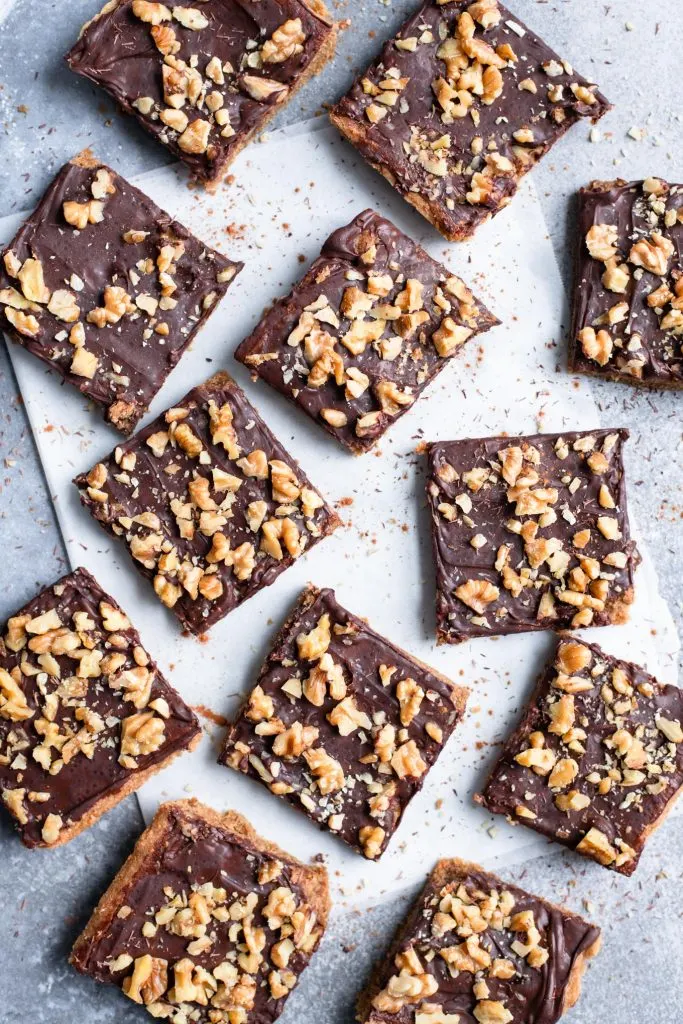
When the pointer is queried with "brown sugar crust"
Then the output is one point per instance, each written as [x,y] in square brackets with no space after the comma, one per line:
[312,880]
[445,872]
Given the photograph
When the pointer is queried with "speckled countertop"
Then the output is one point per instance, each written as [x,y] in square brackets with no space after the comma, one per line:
[632,49]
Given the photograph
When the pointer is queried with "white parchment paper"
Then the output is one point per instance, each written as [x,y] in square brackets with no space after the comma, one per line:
[289,192]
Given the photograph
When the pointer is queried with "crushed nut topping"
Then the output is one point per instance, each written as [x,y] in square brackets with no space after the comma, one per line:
[82,707]
[208,503]
[342,724]
[118,289]
[633,236]
[474,942]
[597,759]
[522,534]
[365,331]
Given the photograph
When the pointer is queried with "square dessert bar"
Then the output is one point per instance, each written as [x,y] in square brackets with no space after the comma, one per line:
[459,106]
[476,949]
[530,533]
[107,289]
[597,760]
[206,922]
[628,293]
[204,79]
[343,724]
[85,714]
[209,504]
[361,336]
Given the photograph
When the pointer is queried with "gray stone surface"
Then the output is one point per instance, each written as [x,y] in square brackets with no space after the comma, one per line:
[46,115]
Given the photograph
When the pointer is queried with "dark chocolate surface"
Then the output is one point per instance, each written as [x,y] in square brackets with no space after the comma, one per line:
[530,533]
[628,294]
[391,716]
[209,504]
[440,111]
[203,892]
[72,686]
[610,761]
[221,64]
[370,325]
[119,299]
[522,950]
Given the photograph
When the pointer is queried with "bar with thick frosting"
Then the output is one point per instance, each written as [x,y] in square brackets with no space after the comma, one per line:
[530,533]
[628,292]
[474,950]
[204,79]
[206,922]
[209,504]
[360,337]
[597,759]
[85,714]
[459,106]
[343,724]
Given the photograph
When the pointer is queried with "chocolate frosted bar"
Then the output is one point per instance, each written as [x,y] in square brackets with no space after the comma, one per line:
[85,714]
[204,79]
[628,294]
[530,533]
[107,289]
[206,922]
[209,504]
[597,761]
[475,949]
[342,724]
[361,336]
[459,106]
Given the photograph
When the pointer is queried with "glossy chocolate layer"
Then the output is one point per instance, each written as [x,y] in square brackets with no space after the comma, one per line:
[123,295]
[516,963]
[343,724]
[356,342]
[608,761]
[208,502]
[224,77]
[628,293]
[194,899]
[530,533]
[83,709]
[441,110]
